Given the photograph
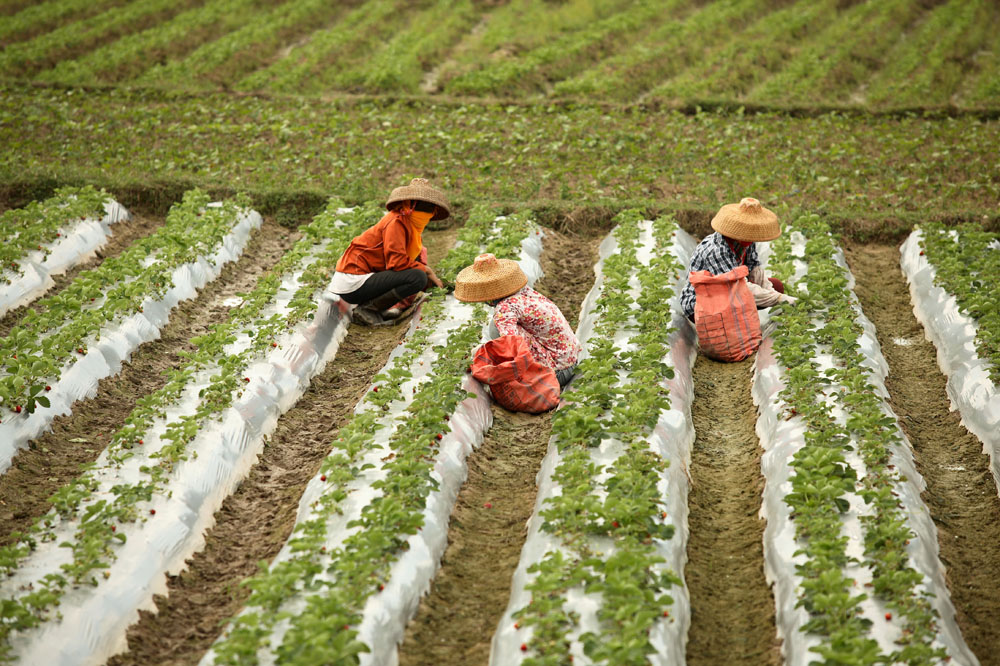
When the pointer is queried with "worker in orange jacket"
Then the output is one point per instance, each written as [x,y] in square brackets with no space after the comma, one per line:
[384,271]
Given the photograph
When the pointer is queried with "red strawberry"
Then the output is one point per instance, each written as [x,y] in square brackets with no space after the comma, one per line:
[437,436]
[18,409]
[381,587]
[323,478]
[140,441]
[524,647]
[79,350]
[274,344]
[615,523]
[888,616]
[246,379]
[666,613]
[152,512]
[48,388]
[113,528]
[375,389]
[488,505]
[517,625]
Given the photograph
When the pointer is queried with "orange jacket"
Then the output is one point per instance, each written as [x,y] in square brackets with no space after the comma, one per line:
[380,248]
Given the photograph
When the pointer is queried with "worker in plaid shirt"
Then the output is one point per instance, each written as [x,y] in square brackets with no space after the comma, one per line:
[732,245]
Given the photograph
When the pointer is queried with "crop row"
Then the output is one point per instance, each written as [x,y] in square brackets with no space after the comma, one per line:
[607,540]
[48,237]
[142,508]
[58,351]
[950,272]
[857,167]
[849,544]
[372,524]
[888,54]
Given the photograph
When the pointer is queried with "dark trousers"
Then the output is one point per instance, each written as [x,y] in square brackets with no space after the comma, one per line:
[406,283]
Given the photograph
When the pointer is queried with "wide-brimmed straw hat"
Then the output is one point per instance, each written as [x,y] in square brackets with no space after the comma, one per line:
[747,221]
[421,190]
[488,279]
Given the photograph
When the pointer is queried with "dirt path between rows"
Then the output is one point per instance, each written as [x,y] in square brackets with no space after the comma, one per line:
[457,618]
[123,235]
[256,520]
[732,608]
[961,493]
[78,438]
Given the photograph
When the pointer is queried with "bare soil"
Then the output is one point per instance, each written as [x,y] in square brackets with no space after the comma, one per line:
[961,492]
[732,608]
[78,438]
[123,235]
[457,618]
[257,519]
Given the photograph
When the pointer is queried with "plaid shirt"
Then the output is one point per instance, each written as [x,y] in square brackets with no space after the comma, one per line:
[714,255]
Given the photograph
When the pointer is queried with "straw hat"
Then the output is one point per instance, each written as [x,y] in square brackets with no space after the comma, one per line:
[422,190]
[747,221]
[488,279]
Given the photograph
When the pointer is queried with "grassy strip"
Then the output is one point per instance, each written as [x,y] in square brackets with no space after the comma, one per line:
[856,167]
[37,16]
[556,57]
[736,66]
[930,67]
[965,263]
[400,63]
[608,543]
[298,70]
[49,336]
[19,59]
[95,534]
[130,55]
[826,320]
[676,44]
[325,630]
[234,54]
[840,58]
[43,222]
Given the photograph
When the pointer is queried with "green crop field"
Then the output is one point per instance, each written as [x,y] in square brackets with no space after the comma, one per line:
[582,138]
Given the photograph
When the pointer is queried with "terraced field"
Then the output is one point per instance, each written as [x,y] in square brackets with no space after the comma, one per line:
[202,460]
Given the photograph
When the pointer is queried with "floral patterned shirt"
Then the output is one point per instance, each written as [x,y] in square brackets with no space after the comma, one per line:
[539,321]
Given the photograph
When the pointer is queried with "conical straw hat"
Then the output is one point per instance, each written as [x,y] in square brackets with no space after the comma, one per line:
[422,190]
[747,221]
[488,279]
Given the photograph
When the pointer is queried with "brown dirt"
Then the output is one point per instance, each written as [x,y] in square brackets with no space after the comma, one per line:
[123,235]
[208,591]
[732,608]
[456,620]
[961,492]
[55,458]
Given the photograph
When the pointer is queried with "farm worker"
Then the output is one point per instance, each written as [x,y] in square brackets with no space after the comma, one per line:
[384,270]
[725,265]
[520,310]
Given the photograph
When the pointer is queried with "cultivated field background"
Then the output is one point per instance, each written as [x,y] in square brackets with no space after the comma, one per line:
[875,115]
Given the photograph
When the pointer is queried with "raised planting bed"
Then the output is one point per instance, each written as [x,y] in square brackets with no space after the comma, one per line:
[372,525]
[47,238]
[849,546]
[952,276]
[77,579]
[58,352]
[599,580]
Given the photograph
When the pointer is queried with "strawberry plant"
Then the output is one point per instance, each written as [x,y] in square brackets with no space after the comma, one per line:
[607,516]
[847,458]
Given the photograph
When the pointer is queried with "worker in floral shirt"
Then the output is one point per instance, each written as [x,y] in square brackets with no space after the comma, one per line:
[522,311]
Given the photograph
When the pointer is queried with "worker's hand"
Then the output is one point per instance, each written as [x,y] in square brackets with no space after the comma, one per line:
[785,298]
[433,278]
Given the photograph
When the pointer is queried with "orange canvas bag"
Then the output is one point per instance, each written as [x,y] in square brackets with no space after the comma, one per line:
[517,381]
[725,315]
